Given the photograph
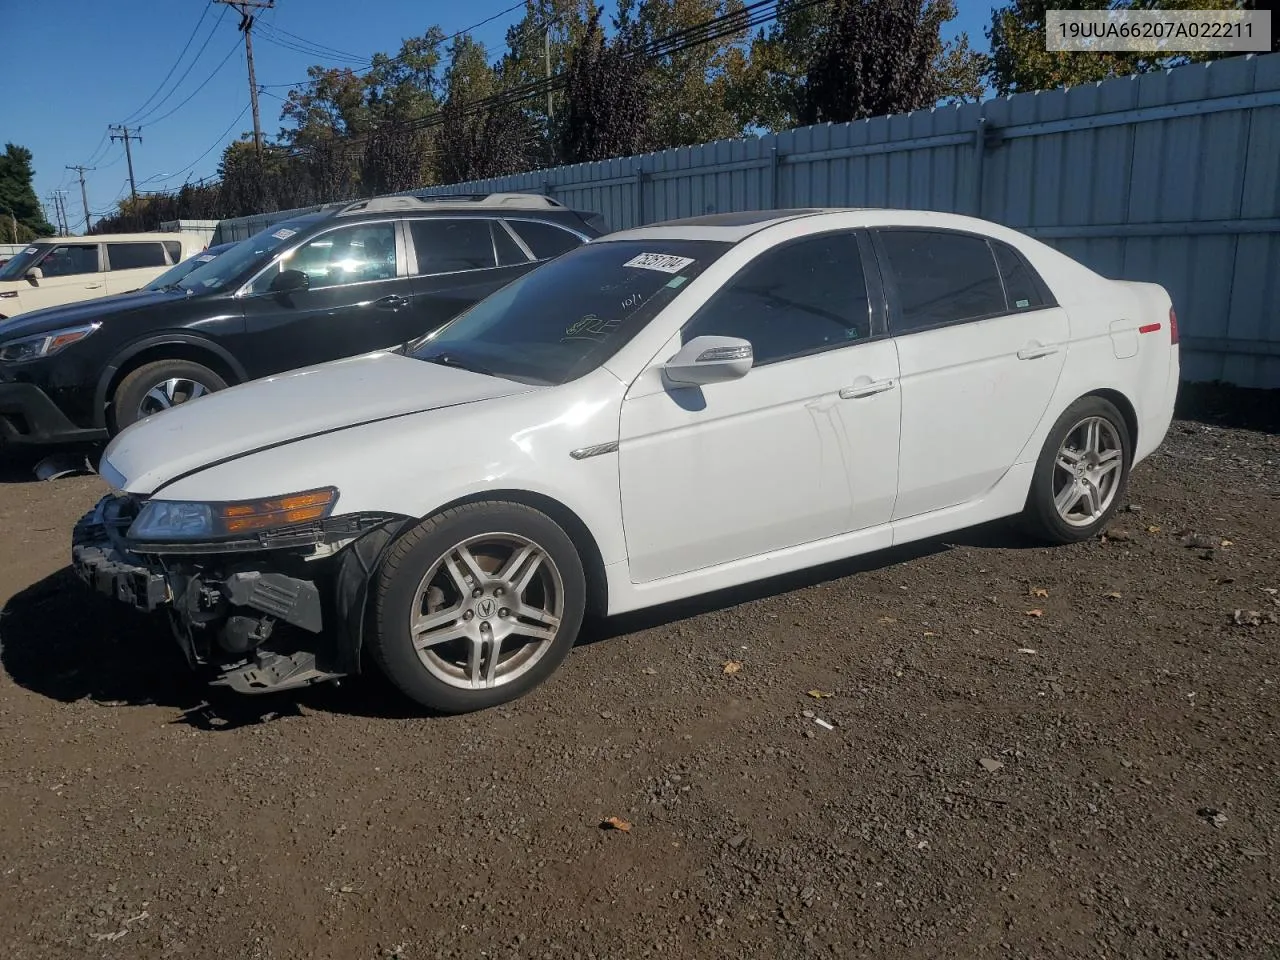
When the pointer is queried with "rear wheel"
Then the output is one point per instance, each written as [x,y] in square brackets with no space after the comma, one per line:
[1081,474]
[159,386]
[477,606]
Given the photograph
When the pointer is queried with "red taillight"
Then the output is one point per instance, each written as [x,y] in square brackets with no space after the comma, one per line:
[1173,326]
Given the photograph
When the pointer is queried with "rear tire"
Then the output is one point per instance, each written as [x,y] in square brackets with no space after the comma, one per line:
[158,386]
[1081,475]
[477,605]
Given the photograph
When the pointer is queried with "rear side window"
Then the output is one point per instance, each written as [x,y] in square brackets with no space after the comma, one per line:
[543,239]
[131,256]
[174,248]
[509,252]
[1020,286]
[66,260]
[447,246]
[941,278]
[801,298]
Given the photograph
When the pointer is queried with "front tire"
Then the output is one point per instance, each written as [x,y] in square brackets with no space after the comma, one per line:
[1081,474]
[477,605]
[158,386]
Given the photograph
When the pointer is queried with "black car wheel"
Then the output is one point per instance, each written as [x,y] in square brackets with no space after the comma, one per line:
[159,386]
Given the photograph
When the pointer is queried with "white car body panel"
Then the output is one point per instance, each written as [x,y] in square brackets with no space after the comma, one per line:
[774,472]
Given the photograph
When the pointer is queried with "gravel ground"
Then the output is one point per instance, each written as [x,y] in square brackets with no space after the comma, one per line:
[1033,752]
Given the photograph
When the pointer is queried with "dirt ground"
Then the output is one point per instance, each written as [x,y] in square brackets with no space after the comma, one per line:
[1034,753]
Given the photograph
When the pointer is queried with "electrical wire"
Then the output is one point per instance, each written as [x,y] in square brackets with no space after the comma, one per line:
[200,88]
[292,41]
[145,117]
[222,136]
[204,12]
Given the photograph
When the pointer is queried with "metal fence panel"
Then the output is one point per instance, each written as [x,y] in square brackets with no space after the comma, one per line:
[1171,177]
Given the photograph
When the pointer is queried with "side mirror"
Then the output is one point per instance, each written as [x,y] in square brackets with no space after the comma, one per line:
[35,275]
[709,360]
[290,281]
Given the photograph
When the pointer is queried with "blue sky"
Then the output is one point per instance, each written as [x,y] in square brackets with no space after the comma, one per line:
[74,66]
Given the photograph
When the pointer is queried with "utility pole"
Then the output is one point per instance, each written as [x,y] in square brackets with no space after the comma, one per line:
[126,136]
[546,56]
[244,8]
[62,212]
[84,194]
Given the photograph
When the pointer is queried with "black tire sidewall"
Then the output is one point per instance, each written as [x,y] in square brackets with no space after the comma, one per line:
[128,395]
[1041,514]
[413,555]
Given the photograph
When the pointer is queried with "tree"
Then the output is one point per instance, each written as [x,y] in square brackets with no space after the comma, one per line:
[607,96]
[877,57]
[480,135]
[1019,61]
[18,201]
[857,58]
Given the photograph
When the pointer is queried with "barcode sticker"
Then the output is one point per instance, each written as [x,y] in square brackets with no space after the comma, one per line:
[663,262]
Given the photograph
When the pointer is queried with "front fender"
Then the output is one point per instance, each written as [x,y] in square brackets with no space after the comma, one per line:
[357,566]
[133,349]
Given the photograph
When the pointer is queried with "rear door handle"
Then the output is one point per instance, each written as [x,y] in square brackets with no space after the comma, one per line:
[392,302]
[1033,351]
[867,388]
[93,286]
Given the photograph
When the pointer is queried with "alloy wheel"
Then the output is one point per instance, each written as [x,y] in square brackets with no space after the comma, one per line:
[1087,471]
[169,393]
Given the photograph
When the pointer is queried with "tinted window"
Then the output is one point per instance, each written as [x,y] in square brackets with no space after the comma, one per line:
[543,239]
[1020,286]
[247,255]
[175,250]
[509,251]
[565,318]
[941,278]
[66,260]
[446,246]
[131,256]
[355,254]
[796,299]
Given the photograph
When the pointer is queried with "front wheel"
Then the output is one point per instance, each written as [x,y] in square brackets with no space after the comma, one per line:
[158,386]
[477,605]
[1081,473]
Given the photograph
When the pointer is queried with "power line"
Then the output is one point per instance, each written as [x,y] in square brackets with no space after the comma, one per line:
[204,12]
[145,118]
[291,41]
[199,89]
[221,137]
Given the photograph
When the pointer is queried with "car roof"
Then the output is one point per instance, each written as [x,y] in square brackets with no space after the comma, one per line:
[734,227]
[119,237]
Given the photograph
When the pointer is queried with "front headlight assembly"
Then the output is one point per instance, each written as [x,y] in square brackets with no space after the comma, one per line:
[185,522]
[44,344]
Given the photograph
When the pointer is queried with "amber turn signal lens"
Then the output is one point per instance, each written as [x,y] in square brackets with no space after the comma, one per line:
[277,511]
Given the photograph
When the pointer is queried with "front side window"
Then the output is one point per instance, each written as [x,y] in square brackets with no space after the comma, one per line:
[246,256]
[356,254]
[546,241]
[68,260]
[448,246]
[18,266]
[941,278]
[563,319]
[796,299]
[132,256]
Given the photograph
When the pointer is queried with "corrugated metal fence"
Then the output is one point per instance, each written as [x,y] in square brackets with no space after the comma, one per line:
[1172,177]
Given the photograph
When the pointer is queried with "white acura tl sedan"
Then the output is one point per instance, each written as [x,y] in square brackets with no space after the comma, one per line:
[661,413]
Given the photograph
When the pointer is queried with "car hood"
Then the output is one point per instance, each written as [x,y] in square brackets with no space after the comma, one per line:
[85,311]
[293,406]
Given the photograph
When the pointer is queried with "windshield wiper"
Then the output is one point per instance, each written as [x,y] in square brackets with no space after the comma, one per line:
[452,360]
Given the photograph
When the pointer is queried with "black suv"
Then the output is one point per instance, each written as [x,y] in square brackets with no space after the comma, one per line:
[340,282]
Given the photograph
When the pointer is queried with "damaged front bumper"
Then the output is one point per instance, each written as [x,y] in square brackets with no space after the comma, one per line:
[258,620]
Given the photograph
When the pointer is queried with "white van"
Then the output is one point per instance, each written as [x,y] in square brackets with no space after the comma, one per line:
[61,270]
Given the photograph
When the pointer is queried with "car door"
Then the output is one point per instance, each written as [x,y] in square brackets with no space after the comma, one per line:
[802,448]
[980,356]
[131,265]
[70,272]
[356,297]
[456,262]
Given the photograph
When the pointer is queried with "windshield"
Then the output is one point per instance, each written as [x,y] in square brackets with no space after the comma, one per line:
[244,256]
[177,272]
[565,318]
[17,268]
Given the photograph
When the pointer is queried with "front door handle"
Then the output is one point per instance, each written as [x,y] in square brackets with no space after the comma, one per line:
[93,286]
[1033,351]
[392,302]
[866,388]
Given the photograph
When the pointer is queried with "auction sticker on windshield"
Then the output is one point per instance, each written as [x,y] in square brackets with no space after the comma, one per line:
[284,233]
[664,262]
